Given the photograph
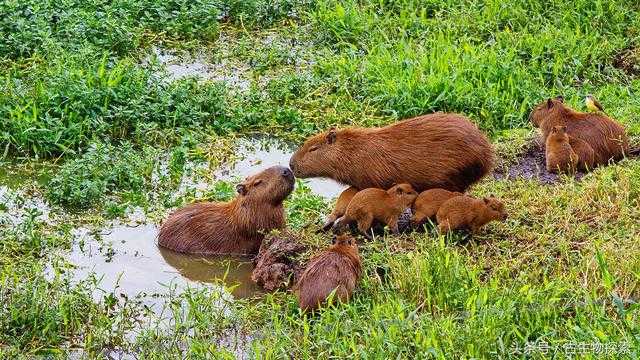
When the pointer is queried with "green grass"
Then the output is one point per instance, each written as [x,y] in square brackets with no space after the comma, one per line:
[81,93]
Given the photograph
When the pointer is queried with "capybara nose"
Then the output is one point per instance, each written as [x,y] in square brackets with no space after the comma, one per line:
[287,173]
[292,164]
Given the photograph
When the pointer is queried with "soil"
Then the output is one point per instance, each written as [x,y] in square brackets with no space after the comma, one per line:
[277,265]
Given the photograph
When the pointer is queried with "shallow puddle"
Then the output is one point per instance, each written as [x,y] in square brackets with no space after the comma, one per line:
[127,260]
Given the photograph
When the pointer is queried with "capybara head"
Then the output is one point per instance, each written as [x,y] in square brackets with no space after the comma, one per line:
[318,156]
[495,208]
[542,110]
[405,192]
[559,133]
[271,185]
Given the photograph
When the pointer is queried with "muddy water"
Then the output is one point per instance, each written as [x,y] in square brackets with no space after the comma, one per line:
[127,260]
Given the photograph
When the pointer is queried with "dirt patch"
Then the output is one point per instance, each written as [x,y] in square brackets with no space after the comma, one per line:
[628,60]
[530,165]
[276,265]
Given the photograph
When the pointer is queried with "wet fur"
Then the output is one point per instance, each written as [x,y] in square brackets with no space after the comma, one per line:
[427,204]
[466,212]
[234,227]
[439,150]
[606,137]
[336,269]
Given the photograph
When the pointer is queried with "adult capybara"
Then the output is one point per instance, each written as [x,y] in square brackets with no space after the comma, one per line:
[559,154]
[586,155]
[431,151]
[427,204]
[607,138]
[336,269]
[341,206]
[234,227]
[466,212]
[377,204]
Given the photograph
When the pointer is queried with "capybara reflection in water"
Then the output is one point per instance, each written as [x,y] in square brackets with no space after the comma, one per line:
[336,269]
[606,137]
[432,151]
[427,204]
[559,155]
[234,227]
[468,213]
[341,207]
[377,204]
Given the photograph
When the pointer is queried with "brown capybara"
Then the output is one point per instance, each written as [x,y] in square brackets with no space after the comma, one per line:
[377,204]
[559,154]
[234,227]
[438,150]
[607,138]
[341,206]
[336,269]
[585,153]
[427,204]
[466,212]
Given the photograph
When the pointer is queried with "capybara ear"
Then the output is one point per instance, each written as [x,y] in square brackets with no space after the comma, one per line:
[486,200]
[331,136]
[492,196]
[241,189]
[549,103]
[560,98]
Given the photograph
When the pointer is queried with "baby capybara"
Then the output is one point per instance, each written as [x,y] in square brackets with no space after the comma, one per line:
[607,138]
[431,151]
[466,212]
[427,204]
[336,269]
[341,206]
[234,227]
[377,204]
[559,154]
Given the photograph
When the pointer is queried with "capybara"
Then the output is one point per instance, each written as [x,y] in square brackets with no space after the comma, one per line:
[377,204]
[559,155]
[438,150]
[234,227]
[586,155]
[341,206]
[466,212]
[427,204]
[336,269]
[607,138]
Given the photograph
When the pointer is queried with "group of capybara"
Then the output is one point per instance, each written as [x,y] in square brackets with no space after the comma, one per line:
[424,163]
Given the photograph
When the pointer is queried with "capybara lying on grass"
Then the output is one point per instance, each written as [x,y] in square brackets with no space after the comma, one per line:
[466,212]
[427,204]
[432,151]
[607,138]
[234,227]
[559,155]
[341,206]
[377,204]
[336,269]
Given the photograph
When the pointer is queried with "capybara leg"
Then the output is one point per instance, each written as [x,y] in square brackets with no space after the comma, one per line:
[341,207]
[364,225]
[444,227]
[331,219]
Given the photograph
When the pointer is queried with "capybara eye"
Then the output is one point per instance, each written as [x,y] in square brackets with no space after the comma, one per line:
[257,182]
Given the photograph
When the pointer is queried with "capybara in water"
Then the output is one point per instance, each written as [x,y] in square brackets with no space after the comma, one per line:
[341,206]
[439,150]
[377,204]
[559,155]
[336,269]
[466,212]
[427,204]
[607,138]
[234,227]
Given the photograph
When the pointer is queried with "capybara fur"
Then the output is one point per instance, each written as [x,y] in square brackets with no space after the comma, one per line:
[234,227]
[468,213]
[341,206]
[439,150]
[336,269]
[559,154]
[427,204]
[585,153]
[607,137]
[379,205]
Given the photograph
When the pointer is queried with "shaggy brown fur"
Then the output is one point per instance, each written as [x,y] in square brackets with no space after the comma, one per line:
[336,269]
[377,204]
[607,138]
[341,206]
[234,227]
[427,204]
[466,212]
[559,155]
[431,151]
